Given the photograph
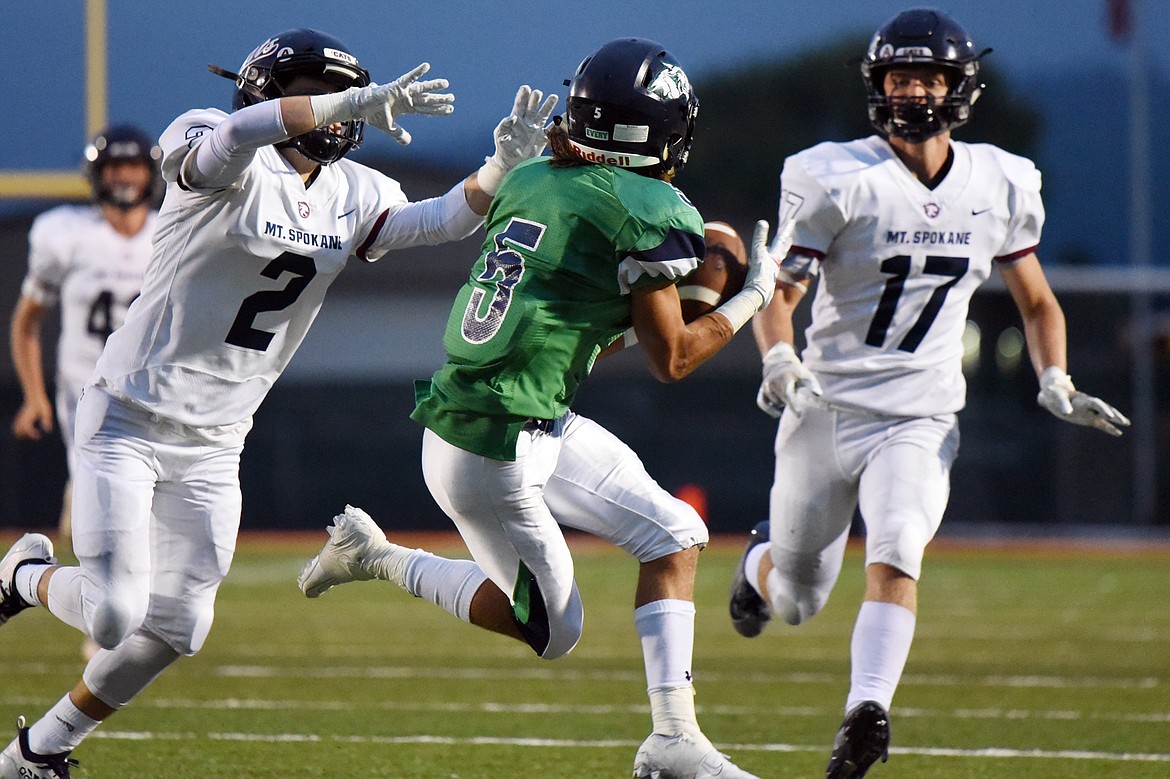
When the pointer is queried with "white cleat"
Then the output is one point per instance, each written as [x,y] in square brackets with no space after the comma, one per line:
[17,761]
[29,548]
[353,537]
[684,756]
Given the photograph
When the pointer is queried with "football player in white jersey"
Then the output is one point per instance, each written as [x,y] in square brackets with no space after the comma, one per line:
[89,260]
[901,227]
[261,212]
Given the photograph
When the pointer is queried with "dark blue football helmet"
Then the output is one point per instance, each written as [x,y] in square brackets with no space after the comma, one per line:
[922,36]
[270,69]
[631,105]
[122,143]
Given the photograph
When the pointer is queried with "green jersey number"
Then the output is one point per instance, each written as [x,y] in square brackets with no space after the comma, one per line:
[503,268]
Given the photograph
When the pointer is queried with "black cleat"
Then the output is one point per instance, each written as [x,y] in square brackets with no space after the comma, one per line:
[863,737]
[748,611]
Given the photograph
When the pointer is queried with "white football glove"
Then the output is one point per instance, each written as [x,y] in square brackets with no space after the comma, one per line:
[759,285]
[786,382]
[1059,396]
[380,104]
[518,136]
[762,264]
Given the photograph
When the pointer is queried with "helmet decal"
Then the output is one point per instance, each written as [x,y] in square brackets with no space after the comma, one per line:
[670,83]
[631,133]
[342,56]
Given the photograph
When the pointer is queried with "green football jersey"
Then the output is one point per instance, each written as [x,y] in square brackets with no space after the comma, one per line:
[551,288]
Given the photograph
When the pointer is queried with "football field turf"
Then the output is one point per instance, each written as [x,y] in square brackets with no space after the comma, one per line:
[1045,661]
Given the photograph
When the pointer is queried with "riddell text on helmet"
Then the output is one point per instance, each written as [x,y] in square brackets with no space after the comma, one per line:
[621,160]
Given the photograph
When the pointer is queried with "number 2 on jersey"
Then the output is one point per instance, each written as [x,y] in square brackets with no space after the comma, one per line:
[898,268]
[242,332]
[503,267]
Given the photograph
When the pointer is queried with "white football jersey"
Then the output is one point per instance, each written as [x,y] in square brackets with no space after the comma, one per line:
[898,264]
[238,276]
[77,260]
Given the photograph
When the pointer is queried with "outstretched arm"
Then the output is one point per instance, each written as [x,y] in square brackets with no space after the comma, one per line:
[519,136]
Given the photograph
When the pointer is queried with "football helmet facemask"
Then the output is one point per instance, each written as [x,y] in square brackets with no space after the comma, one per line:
[268,72]
[631,105]
[925,37]
[122,143]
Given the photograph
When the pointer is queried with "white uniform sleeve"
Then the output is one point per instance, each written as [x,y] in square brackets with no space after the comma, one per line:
[222,156]
[397,223]
[817,216]
[207,150]
[1025,208]
[48,256]
[182,135]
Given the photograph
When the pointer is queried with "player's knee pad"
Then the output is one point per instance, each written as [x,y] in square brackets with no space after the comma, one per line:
[183,623]
[116,614]
[796,600]
[549,636]
[115,677]
[902,550]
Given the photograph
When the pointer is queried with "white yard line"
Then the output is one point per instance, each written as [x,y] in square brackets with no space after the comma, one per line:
[603,710]
[989,752]
[356,671]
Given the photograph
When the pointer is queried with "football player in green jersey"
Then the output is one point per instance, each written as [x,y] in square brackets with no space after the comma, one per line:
[580,246]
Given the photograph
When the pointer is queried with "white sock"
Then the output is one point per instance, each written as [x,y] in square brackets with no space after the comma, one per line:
[751,566]
[672,710]
[449,584]
[65,597]
[27,577]
[389,562]
[61,729]
[667,630]
[881,643]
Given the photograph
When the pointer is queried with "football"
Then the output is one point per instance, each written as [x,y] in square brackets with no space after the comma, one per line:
[719,276]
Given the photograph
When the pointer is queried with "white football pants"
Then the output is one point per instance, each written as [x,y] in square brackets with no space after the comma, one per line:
[576,474]
[156,511]
[830,462]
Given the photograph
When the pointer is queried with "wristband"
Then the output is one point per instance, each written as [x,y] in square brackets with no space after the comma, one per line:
[781,351]
[332,107]
[742,307]
[490,175]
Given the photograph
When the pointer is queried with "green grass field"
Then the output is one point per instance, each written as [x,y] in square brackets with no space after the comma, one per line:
[1028,663]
